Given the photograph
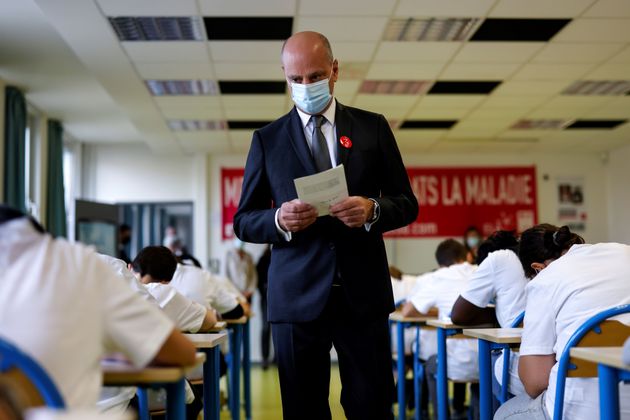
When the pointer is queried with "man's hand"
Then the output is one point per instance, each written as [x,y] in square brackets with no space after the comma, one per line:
[353,211]
[296,215]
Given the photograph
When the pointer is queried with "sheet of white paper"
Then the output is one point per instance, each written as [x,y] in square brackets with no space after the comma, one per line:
[323,189]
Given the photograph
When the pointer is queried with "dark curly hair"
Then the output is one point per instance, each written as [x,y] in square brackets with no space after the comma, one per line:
[545,242]
[501,239]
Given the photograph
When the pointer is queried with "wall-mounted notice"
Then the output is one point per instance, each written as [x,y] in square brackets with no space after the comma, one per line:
[452,199]
[231,186]
[571,209]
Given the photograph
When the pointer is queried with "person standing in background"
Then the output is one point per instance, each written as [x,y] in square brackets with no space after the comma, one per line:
[124,237]
[262,268]
[472,239]
[240,269]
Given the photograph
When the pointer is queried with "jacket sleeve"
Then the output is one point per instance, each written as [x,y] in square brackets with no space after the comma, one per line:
[399,206]
[254,220]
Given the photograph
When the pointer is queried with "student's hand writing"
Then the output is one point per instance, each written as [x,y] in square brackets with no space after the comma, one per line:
[296,215]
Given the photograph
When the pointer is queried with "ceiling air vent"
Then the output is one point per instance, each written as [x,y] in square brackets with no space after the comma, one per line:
[196,125]
[540,124]
[598,87]
[182,87]
[392,87]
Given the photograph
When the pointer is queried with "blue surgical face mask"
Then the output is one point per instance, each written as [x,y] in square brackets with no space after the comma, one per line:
[472,241]
[313,97]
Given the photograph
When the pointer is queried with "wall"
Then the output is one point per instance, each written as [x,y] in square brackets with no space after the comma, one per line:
[619,193]
[132,173]
[416,255]
[2,100]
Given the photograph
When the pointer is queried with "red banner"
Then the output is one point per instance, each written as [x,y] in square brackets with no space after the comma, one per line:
[231,185]
[452,199]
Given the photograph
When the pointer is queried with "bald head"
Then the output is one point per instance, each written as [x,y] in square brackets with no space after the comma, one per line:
[308,42]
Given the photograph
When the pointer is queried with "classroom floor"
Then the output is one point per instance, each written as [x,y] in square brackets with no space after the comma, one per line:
[266,404]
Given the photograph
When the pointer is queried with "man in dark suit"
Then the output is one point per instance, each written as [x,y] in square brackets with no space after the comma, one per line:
[328,279]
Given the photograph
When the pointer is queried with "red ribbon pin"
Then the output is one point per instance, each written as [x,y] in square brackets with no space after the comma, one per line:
[345,142]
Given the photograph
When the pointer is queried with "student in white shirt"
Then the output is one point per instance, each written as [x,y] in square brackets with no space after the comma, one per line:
[200,286]
[154,267]
[571,282]
[66,308]
[499,278]
[446,284]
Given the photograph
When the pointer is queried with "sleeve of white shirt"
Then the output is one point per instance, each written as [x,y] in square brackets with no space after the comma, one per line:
[132,325]
[539,332]
[480,290]
[424,299]
[285,235]
[186,314]
[219,297]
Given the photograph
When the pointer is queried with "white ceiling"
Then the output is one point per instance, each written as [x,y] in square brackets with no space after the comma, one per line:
[72,66]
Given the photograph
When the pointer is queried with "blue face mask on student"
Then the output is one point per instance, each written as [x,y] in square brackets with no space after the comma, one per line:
[313,97]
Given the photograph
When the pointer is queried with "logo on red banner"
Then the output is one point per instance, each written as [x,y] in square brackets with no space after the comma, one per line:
[452,199]
[231,185]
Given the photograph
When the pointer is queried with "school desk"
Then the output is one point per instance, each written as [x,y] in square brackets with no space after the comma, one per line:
[403,322]
[610,369]
[171,378]
[490,339]
[209,344]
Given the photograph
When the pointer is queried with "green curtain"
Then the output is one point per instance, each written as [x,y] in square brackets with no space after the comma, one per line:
[15,149]
[55,198]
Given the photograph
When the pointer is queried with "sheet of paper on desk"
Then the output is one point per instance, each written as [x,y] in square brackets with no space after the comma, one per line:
[323,189]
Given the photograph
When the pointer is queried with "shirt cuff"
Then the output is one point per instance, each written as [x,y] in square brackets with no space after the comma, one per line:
[285,235]
[368,225]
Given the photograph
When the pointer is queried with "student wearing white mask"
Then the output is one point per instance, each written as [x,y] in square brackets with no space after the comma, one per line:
[572,281]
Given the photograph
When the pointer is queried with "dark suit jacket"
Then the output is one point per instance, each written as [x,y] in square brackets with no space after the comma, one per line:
[302,270]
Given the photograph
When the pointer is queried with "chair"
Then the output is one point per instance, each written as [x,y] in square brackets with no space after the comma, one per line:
[21,368]
[597,331]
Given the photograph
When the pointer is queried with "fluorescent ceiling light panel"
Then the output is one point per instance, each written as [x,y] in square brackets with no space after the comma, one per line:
[158,28]
[196,125]
[247,125]
[430,29]
[519,30]
[427,124]
[182,87]
[396,87]
[595,124]
[598,87]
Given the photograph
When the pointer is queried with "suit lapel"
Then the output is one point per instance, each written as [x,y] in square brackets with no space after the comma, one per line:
[344,128]
[296,134]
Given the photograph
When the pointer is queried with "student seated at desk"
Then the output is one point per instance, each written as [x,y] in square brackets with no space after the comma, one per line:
[66,308]
[571,282]
[499,278]
[154,267]
[200,286]
[445,285]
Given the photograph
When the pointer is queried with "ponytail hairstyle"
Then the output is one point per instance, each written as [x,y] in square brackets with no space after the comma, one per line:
[501,239]
[545,242]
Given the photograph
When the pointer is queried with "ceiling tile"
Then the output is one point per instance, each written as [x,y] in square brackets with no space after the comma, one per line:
[610,72]
[455,101]
[572,101]
[427,112]
[187,102]
[488,112]
[550,71]
[148,7]
[616,108]
[384,101]
[247,7]
[353,51]
[249,51]
[416,51]
[609,8]
[531,87]
[204,142]
[477,71]
[556,52]
[439,8]
[200,113]
[248,71]
[404,71]
[622,57]
[476,124]
[267,113]
[497,52]
[446,146]
[253,101]
[414,142]
[349,70]
[166,51]
[539,8]
[175,70]
[520,102]
[346,87]
[347,7]
[595,30]
[343,28]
